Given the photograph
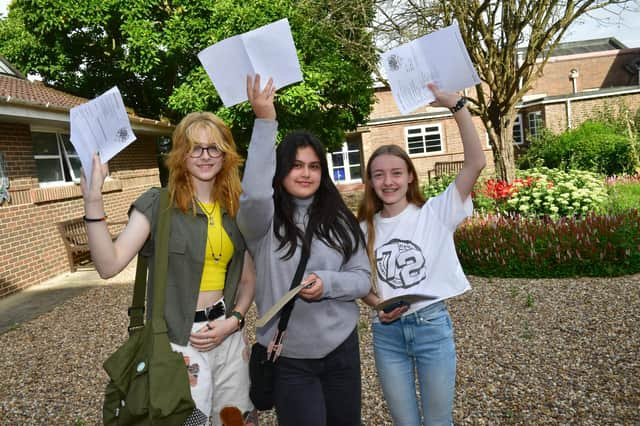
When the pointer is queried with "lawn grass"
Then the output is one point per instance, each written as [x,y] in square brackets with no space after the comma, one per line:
[624,196]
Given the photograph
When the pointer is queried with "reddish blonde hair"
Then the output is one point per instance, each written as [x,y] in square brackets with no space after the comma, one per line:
[227,186]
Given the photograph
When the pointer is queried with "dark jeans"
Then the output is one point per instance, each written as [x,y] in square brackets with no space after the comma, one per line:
[320,392]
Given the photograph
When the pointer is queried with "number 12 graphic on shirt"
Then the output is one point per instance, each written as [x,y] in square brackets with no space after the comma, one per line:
[400,264]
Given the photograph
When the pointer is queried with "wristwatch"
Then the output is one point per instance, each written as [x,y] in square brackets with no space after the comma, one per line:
[459,105]
[239,317]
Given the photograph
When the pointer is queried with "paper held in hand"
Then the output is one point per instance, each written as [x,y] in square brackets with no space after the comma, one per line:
[440,57]
[268,51]
[279,305]
[406,298]
[100,125]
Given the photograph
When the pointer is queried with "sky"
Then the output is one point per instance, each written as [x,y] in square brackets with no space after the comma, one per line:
[626,28]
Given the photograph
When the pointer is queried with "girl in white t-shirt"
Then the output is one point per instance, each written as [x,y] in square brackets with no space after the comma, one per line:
[412,253]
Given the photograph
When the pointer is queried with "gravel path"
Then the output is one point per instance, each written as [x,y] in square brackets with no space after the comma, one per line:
[529,352]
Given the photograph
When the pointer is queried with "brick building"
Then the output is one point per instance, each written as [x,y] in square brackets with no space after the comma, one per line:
[41,169]
[581,77]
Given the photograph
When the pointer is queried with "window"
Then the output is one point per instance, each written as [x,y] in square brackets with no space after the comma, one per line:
[56,159]
[423,139]
[346,165]
[535,123]
[517,130]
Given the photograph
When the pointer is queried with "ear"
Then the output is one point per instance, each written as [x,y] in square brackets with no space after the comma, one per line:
[411,177]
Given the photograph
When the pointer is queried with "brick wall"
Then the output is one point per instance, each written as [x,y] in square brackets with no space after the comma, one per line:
[583,109]
[394,133]
[595,70]
[31,249]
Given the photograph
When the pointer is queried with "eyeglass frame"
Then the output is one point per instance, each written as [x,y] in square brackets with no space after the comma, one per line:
[202,149]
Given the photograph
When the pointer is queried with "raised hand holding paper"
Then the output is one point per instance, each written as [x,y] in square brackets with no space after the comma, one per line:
[439,57]
[100,125]
[268,51]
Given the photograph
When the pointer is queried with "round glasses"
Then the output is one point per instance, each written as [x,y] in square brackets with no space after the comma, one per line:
[212,150]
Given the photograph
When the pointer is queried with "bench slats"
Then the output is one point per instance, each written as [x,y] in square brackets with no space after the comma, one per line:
[442,168]
[74,235]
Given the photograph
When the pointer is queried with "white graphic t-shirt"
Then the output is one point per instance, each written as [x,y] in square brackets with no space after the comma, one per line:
[415,251]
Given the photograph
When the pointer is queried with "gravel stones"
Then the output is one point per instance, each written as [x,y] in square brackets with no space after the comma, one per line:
[553,351]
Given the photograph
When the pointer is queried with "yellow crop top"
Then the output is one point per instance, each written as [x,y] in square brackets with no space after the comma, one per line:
[218,251]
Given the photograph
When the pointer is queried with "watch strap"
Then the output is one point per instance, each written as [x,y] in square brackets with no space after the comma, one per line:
[459,105]
[239,317]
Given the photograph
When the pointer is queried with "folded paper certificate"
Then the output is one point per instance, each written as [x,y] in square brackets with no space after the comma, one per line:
[268,51]
[100,125]
[279,305]
[440,57]
[406,298]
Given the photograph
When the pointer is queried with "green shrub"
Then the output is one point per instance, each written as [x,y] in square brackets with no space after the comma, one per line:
[557,193]
[542,191]
[596,146]
[516,246]
[436,186]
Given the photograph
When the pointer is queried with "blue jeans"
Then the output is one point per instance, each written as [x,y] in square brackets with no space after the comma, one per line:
[418,343]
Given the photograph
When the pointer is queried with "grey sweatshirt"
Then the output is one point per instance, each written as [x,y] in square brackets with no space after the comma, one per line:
[315,328]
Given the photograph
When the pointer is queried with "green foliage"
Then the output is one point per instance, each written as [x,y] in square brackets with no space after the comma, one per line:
[516,246]
[556,193]
[623,196]
[436,186]
[536,192]
[598,146]
[149,49]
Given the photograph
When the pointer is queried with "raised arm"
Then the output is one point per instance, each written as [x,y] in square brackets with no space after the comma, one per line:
[109,257]
[474,159]
[256,201]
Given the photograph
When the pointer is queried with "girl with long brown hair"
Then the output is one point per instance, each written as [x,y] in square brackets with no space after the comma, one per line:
[414,263]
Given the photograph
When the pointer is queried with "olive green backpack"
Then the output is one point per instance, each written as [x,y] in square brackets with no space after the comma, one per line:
[149,382]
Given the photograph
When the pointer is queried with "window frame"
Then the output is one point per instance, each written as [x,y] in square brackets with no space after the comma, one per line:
[518,122]
[346,164]
[535,123]
[63,157]
[422,128]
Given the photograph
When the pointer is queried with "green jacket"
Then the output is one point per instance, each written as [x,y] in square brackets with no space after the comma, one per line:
[187,246]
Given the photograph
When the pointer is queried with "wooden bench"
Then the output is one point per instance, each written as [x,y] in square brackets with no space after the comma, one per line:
[74,235]
[442,168]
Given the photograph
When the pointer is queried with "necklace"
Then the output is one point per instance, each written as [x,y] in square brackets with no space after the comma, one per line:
[210,216]
[207,212]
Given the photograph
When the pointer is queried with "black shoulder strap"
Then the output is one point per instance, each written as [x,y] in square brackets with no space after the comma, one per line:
[297,277]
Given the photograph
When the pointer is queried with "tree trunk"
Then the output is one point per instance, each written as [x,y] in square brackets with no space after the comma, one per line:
[503,152]
[500,132]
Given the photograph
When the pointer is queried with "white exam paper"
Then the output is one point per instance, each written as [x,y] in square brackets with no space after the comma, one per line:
[268,51]
[440,57]
[100,125]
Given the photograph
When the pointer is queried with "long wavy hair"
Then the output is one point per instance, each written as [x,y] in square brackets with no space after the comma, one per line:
[371,204]
[329,217]
[227,186]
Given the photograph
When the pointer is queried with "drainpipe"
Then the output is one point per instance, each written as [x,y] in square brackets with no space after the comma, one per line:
[568,112]
[573,76]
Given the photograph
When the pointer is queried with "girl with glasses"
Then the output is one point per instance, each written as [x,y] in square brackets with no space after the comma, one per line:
[210,277]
